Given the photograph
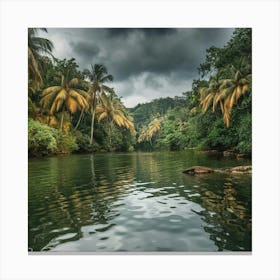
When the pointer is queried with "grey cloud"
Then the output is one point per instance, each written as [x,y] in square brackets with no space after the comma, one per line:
[85,53]
[124,32]
[131,51]
[151,81]
[142,60]
[86,50]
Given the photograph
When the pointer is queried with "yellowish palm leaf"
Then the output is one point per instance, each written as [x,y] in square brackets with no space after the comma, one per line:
[72,105]
[102,116]
[205,103]
[50,90]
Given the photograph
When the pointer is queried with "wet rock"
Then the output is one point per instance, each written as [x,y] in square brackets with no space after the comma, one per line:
[198,170]
[244,169]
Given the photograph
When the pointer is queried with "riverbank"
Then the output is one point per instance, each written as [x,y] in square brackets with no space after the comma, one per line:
[216,153]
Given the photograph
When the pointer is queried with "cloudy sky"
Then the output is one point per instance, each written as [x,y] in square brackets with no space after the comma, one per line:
[146,63]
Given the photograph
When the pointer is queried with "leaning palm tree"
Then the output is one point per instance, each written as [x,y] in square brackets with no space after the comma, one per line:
[211,94]
[98,76]
[111,108]
[226,92]
[36,47]
[67,96]
[235,87]
[154,127]
[149,131]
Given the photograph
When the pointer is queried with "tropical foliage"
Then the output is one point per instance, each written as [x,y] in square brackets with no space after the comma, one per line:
[216,112]
[36,47]
[112,109]
[226,92]
[98,75]
[63,102]
[149,131]
[79,111]
[68,96]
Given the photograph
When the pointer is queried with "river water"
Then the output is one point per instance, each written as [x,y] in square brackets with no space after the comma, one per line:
[137,202]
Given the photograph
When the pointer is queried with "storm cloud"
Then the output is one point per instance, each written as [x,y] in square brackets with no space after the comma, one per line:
[146,63]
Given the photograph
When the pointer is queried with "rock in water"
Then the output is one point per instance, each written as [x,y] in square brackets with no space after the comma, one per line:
[246,169]
[198,170]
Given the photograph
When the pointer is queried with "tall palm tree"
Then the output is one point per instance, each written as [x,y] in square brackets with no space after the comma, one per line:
[98,76]
[66,96]
[36,47]
[111,108]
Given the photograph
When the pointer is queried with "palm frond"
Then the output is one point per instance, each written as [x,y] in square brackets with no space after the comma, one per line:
[74,82]
[50,90]
[102,116]
[72,105]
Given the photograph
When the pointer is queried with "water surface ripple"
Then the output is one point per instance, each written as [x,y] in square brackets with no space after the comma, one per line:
[137,202]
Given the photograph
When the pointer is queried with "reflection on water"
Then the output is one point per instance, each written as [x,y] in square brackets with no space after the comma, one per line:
[137,202]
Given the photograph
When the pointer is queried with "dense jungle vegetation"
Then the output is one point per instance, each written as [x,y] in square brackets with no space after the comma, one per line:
[74,110]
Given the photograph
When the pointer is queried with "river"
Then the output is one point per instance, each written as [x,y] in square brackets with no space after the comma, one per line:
[137,202]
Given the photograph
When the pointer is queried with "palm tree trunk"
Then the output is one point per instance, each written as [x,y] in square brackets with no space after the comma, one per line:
[61,121]
[92,125]
[110,133]
[93,115]
[79,120]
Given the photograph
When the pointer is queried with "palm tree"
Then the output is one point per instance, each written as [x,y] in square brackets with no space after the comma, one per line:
[111,108]
[235,87]
[66,96]
[154,127]
[98,75]
[36,47]
[211,94]
[226,92]
[148,132]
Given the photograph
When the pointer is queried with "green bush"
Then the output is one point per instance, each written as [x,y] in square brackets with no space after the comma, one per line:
[83,145]
[220,137]
[66,143]
[41,139]
[245,134]
[44,140]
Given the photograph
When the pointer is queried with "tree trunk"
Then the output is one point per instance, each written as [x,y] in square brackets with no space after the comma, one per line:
[92,125]
[93,115]
[79,120]
[110,133]
[61,121]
